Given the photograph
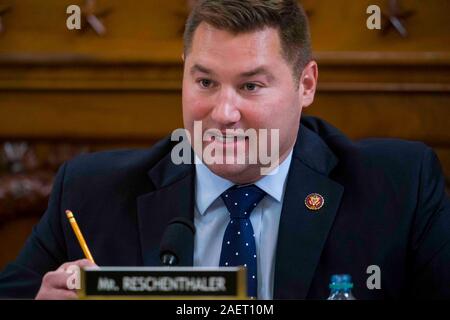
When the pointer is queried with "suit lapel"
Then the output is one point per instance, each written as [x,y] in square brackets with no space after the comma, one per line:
[302,232]
[173,197]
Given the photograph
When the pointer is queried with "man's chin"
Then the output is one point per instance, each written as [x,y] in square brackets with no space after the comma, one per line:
[237,173]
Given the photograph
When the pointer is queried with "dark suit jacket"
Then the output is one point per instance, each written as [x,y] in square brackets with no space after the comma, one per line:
[385,205]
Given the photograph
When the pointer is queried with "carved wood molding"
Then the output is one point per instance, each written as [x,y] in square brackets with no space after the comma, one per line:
[394,19]
[4,9]
[26,176]
[375,71]
[92,17]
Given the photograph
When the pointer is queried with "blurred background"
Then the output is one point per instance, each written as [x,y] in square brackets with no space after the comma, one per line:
[116,83]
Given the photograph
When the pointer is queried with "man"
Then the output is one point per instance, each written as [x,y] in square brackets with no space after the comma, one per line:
[331,206]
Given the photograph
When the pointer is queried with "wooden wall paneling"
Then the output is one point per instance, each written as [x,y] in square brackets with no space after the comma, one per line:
[341,26]
[89,114]
[415,116]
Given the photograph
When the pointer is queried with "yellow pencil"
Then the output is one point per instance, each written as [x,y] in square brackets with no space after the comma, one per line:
[79,235]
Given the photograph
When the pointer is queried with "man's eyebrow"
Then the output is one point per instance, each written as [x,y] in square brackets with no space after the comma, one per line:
[200,68]
[257,71]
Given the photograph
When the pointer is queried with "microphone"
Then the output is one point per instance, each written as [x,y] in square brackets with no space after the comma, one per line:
[177,243]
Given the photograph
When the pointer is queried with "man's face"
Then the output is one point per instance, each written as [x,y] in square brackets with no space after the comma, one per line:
[240,82]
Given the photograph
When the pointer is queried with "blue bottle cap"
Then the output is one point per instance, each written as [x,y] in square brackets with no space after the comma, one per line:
[341,281]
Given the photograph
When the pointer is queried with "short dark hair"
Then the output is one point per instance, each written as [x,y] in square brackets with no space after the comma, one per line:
[241,16]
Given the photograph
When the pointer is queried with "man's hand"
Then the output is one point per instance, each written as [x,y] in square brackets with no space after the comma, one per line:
[54,283]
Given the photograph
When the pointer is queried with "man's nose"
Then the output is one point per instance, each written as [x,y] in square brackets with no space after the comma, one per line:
[225,109]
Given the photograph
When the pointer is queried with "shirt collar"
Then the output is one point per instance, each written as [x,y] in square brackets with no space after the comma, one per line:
[273,184]
[210,186]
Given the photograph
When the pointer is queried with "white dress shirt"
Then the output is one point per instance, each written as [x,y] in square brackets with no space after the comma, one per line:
[211,218]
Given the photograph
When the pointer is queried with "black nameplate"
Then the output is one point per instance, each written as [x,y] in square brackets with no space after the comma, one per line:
[163,282]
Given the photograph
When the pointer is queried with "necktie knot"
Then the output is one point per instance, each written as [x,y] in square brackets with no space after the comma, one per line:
[241,200]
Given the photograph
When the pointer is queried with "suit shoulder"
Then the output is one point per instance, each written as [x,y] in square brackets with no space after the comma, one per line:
[116,163]
[387,155]
[340,143]
[392,148]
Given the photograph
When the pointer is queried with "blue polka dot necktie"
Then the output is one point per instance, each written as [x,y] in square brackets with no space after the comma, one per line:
[238,246]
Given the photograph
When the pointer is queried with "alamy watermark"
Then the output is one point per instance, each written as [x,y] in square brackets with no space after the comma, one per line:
[73,21]
[374,280]
[374,20]
[232,146]
[73,282]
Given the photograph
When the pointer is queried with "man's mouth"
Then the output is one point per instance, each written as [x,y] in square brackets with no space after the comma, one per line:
[225,138]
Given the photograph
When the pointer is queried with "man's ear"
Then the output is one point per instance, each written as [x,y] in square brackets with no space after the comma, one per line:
[182,57]
[308,83]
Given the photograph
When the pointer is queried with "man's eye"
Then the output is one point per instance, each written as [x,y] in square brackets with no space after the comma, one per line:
[250,86]
[205,83]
